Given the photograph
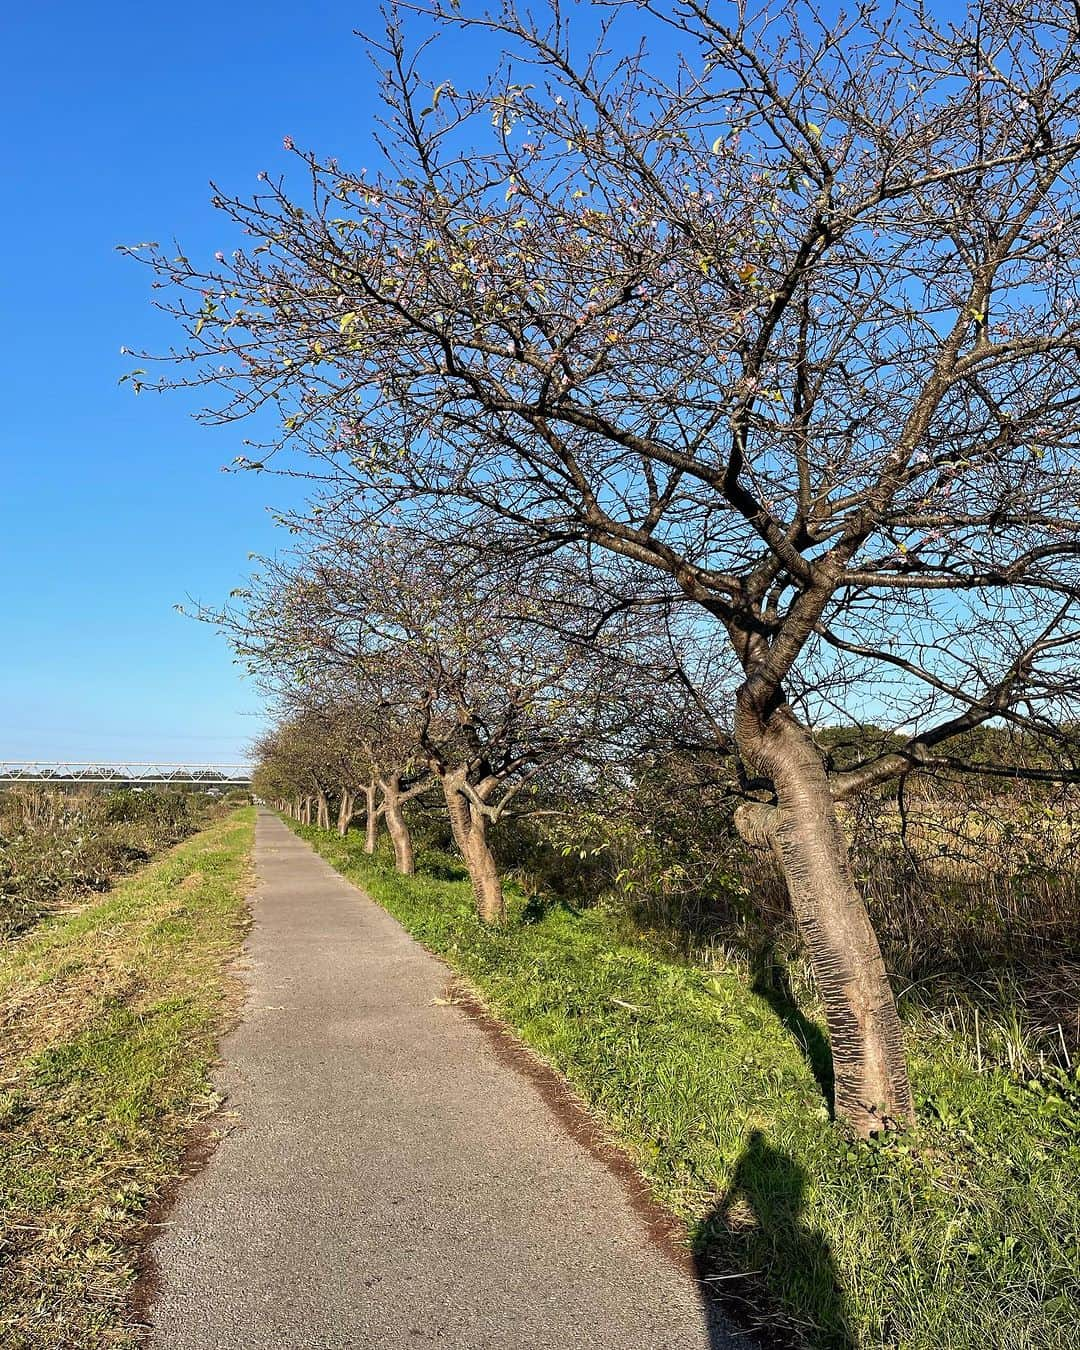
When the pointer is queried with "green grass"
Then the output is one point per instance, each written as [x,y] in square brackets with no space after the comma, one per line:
[108,1024]
[961,1236]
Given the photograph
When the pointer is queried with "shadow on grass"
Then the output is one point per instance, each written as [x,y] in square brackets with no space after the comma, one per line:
[768,1270]
[440,867]
[540,905]
[771,983]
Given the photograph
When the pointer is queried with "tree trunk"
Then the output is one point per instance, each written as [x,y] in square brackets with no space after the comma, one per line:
[371,824]
[306,817]
[487,884]
[345,812]
[395,824]
[323,811]
[469,827]
[872,1090]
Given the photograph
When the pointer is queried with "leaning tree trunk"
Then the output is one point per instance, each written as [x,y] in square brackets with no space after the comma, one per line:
[469,826]
[398,829]
[345,811]
[803,830]
[371,823]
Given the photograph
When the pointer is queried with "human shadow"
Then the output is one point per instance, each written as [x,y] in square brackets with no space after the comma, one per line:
[772,984]
[767,1270]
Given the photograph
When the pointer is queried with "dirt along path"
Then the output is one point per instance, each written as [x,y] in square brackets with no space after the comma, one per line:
[392,1179]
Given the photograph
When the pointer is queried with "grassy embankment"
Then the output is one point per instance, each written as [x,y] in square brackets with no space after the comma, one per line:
[108,1023]
[57,846]
[962,1236]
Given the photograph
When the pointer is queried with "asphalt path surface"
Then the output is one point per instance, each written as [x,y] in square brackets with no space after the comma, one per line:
[391,1179]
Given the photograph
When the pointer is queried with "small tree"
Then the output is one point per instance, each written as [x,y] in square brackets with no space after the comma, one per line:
[793,320]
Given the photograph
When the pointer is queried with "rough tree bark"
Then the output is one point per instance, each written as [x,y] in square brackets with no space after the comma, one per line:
[805,835]
[469,826]
[323,816]
[346,810]
[395,824]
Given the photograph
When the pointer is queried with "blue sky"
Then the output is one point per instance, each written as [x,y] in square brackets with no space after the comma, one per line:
[114,508]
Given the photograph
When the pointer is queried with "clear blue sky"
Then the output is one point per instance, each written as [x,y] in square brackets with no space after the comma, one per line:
[113,508]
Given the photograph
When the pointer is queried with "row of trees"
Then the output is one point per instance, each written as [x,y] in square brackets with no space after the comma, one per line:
[784,322]
[465,667]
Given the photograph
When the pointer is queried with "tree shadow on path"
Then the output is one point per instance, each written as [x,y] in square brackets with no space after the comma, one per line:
[766,1268]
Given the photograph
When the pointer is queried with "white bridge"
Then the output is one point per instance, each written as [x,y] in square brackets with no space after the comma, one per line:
[127,774]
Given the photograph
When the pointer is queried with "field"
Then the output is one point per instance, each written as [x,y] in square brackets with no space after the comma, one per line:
[958,1237]
[109,1016]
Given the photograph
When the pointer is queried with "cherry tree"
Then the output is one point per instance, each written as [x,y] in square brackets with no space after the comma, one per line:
[790,318]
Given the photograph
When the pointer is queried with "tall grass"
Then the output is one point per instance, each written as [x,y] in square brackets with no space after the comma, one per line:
[57,846]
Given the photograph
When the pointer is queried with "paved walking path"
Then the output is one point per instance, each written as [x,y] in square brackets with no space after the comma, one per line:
[392,1182]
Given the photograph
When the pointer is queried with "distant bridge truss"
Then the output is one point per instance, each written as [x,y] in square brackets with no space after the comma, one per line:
[128,774]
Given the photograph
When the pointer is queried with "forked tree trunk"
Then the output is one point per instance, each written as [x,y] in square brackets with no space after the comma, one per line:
[306,817]
[803,830]
[396,826]
[345,811]
[323,811]
[469,827]
[371,824]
